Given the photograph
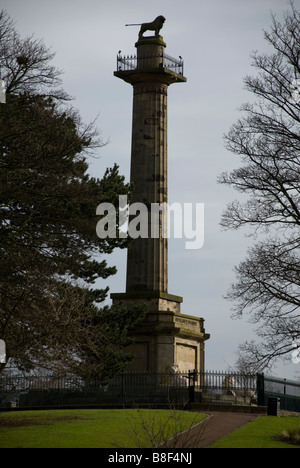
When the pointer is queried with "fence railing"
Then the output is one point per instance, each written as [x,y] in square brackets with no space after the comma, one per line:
[287,391]
[207,380]
[133,62]
[148,388]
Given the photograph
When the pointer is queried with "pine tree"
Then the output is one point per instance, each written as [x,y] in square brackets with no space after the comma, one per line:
[51,315]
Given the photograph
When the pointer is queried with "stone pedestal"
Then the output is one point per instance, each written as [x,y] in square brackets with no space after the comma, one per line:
[164,336]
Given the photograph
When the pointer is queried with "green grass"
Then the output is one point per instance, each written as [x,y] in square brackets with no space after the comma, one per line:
[260,433]
[127,428]
[90,428]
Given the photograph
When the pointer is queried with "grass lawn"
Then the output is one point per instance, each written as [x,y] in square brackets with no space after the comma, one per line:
[260,433]
[91,428]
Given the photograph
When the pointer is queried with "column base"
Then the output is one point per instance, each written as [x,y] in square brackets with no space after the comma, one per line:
[153,300]
[164,337]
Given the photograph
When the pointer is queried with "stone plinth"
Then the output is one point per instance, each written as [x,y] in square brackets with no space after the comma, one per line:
[151,299]
[164,336]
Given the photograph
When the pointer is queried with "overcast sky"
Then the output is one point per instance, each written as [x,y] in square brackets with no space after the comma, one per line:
[215,39]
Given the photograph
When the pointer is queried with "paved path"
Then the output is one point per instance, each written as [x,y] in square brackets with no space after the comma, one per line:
[215,427]
[221,424]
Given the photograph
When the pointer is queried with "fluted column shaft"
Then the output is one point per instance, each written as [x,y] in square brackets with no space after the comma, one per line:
[147,265]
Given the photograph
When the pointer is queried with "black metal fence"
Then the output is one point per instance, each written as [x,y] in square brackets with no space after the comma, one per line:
[126,388]
[132,62]
[287,391]
[180,388]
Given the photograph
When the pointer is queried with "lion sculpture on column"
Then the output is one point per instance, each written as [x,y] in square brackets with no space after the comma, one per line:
[156,26]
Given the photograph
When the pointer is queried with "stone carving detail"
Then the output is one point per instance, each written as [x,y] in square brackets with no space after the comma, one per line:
[155,25]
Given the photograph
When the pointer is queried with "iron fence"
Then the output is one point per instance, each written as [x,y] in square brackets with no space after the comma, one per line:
[128,388]
[287,391]
[133,62]
[136,388]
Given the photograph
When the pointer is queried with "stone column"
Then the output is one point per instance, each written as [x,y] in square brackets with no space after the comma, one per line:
[147,263]
[165,336]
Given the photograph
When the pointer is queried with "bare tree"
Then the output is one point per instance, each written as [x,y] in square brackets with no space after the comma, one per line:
[267,138]
[173,428]
[25,64]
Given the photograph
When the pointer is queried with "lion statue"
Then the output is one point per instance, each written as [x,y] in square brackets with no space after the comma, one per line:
[156,26]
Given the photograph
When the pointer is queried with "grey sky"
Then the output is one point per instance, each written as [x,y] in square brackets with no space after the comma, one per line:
[215,39]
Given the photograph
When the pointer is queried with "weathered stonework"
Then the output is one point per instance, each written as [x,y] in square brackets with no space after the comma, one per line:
[164,336]
[152,300]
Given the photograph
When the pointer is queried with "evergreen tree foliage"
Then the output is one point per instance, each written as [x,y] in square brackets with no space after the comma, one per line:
[51,313]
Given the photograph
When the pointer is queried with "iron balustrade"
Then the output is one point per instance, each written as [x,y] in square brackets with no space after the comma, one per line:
[126,388]
[148,388]
[209,380]
[287,391]
[132,62]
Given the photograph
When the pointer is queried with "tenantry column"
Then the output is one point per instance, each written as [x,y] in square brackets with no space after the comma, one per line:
[147,263]
[164,337]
